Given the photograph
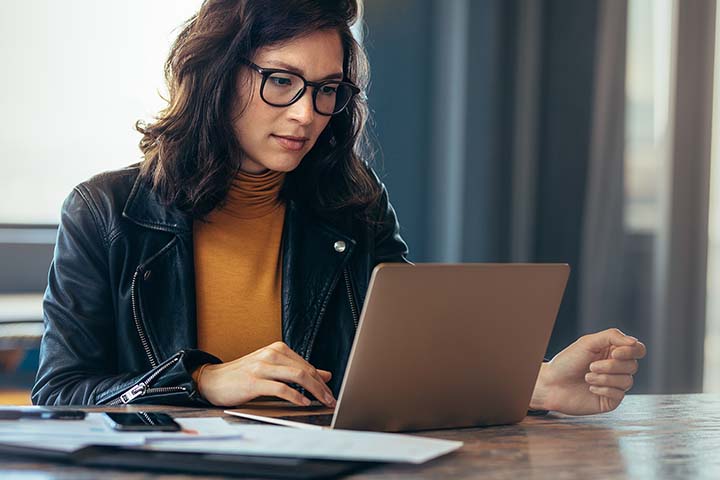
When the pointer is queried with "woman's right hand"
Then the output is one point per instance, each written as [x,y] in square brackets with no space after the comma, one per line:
[265,372]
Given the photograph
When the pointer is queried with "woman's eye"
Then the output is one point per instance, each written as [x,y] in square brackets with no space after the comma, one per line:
[281,81]
[328,89]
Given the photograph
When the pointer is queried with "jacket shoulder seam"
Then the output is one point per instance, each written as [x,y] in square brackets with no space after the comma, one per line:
[108,234]
[94,212]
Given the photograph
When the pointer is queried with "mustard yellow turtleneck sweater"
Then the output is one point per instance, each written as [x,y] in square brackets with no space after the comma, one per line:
[238,268]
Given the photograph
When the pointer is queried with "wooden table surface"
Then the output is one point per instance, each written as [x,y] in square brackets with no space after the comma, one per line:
[649,436]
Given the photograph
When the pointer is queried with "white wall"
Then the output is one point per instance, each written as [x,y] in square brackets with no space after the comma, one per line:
[75,75]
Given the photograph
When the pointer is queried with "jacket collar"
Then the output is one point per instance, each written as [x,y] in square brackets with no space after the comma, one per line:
[145,208]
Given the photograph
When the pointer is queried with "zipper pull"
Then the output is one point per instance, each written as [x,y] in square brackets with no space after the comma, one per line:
[136,391]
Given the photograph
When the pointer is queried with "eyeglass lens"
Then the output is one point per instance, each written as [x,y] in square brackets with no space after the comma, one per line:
[282,89]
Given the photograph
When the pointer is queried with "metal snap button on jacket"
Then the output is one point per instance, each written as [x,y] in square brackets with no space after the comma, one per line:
[339,246]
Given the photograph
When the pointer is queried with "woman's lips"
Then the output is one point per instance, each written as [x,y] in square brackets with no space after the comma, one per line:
[291,143]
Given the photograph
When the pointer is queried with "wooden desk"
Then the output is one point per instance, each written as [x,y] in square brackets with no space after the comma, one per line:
[649,436]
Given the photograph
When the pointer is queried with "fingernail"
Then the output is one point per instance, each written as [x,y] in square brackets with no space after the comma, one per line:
[330,400]
[593,389]
[589,377]
[306,401]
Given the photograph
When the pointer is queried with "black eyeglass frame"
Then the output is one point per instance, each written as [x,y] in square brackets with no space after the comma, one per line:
[266,72]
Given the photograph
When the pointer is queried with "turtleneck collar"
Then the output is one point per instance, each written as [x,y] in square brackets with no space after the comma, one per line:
[254,195]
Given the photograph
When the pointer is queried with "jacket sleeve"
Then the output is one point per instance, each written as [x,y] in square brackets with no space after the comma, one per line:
[389,245]
[79,348]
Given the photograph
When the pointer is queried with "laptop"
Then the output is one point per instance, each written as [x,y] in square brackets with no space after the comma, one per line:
[444,346]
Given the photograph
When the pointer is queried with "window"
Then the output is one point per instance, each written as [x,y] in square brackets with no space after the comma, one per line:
[647,159]
[647,107]
[712,326]
[76,76]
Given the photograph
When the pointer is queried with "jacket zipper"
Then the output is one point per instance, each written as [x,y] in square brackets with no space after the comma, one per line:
[140,389]
[308,349]
[351,299]
[353,309]
[136,311]
[138,324]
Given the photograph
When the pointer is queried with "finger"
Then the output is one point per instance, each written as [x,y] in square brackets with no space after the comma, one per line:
[290,353]
[615,366]
[280,390]
[613,336]
[621,382]
[636,351]
[302,378]
[300,362]
[609,392]
[326,376]
[283,349]
[279,353]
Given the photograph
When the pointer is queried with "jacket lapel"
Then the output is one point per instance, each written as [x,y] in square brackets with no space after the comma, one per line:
[166,286]
[313,259]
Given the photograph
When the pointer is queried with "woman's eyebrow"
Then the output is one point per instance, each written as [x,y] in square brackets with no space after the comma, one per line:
[287,66]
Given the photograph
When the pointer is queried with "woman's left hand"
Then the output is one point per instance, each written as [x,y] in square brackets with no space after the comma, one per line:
[589,376]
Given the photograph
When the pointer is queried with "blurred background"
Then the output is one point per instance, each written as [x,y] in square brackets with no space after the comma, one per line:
[578,131]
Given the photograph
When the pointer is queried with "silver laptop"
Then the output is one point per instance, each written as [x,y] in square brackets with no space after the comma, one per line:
[444,346]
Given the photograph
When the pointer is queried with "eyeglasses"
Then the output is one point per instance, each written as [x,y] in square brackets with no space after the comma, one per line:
[281,88]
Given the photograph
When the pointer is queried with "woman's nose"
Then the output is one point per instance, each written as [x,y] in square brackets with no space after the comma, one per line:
[303,110]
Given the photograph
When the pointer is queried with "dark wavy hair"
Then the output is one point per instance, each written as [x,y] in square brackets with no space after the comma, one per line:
[191,151]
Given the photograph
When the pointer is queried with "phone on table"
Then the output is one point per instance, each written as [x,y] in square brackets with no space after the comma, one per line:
[142,422]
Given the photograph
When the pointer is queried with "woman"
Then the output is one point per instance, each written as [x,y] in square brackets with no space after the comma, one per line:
[231,263]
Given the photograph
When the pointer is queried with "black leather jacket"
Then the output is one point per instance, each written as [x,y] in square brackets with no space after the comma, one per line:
[120,303]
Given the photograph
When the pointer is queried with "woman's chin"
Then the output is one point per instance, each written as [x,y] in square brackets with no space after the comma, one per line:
[287,164]
[284,163]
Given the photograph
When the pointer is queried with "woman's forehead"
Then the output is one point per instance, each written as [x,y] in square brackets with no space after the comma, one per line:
[318,54]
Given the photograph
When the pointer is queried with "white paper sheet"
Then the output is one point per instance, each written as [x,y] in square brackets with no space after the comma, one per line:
[270,440]
[215,435]
[69,435]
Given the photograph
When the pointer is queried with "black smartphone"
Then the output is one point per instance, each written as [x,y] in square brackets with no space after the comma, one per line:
[142,422]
